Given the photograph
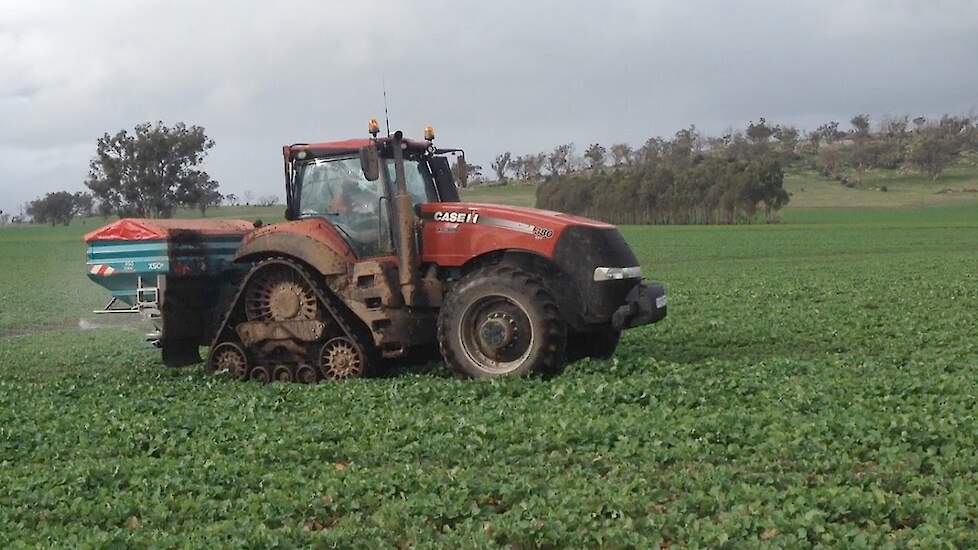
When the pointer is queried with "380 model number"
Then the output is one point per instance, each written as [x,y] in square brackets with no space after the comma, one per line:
[543,232]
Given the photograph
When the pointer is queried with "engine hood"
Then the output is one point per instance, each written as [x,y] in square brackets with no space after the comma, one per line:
[548,219]
[458,232]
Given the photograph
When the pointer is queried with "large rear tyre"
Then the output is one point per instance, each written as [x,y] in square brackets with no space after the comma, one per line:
[501,321]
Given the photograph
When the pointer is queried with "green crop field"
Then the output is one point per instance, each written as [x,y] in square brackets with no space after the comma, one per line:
[815,383]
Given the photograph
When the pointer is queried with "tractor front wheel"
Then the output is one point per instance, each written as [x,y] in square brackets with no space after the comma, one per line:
[501,320]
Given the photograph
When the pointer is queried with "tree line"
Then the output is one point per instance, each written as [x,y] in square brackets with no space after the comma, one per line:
[60,207]
[682,180]
[694,178]
[689,178]
[926,146]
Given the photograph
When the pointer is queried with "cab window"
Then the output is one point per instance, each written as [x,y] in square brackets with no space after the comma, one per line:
[417,179]
[336,189]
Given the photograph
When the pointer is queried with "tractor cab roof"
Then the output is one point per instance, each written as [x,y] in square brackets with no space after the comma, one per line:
[348,146]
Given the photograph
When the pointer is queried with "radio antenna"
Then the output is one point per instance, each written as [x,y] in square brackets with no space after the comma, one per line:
[387,119]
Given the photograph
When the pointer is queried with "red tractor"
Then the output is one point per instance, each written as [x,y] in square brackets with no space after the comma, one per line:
[379,257]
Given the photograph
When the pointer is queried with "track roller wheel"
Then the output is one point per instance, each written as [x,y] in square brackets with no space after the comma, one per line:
[341,358]
[261,374]
[230,357]
[306,375]
[283,373]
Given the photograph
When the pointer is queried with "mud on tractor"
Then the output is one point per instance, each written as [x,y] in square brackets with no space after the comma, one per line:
[378,258]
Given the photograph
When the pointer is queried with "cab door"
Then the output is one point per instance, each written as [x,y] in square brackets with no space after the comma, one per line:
[335,189]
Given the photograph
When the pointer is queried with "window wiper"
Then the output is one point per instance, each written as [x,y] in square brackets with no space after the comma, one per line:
[347,235]
[335,224]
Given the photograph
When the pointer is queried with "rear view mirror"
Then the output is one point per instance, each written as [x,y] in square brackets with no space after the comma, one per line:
[463,171]
[370,162]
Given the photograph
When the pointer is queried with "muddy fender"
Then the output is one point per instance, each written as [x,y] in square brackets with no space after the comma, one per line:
[317,254]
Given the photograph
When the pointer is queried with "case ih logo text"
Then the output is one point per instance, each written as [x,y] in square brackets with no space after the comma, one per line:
[457,217]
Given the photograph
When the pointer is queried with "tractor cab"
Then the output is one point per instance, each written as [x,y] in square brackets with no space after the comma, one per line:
[353,184]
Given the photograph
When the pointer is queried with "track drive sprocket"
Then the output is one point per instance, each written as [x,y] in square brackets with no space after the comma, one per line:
[278,293]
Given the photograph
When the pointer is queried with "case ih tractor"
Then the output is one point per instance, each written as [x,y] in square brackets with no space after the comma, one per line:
[378,257]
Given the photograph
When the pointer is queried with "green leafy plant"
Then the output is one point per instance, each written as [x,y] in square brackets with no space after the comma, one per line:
[814,384]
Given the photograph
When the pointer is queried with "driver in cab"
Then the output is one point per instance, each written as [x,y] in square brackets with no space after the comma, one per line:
[355,204]
[352,198]
[334,189]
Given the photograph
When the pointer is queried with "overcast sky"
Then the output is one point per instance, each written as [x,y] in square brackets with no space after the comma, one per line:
[489,76]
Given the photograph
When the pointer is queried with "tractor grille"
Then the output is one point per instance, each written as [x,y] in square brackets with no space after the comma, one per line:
[580,250]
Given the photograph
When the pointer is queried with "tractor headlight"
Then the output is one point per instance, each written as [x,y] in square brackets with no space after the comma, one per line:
[617,273]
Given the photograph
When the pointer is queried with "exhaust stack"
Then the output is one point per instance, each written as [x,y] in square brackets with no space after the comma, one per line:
[407,250]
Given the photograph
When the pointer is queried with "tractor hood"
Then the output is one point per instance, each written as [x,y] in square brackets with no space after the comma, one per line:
[456,232]
[492,213]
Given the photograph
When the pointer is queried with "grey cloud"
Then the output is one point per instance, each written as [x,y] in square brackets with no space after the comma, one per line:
[490,76]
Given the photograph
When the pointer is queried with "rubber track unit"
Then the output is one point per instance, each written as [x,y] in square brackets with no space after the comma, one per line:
[552,355]
[326,301]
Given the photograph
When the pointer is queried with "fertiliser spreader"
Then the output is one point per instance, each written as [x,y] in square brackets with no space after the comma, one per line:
[173,272]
